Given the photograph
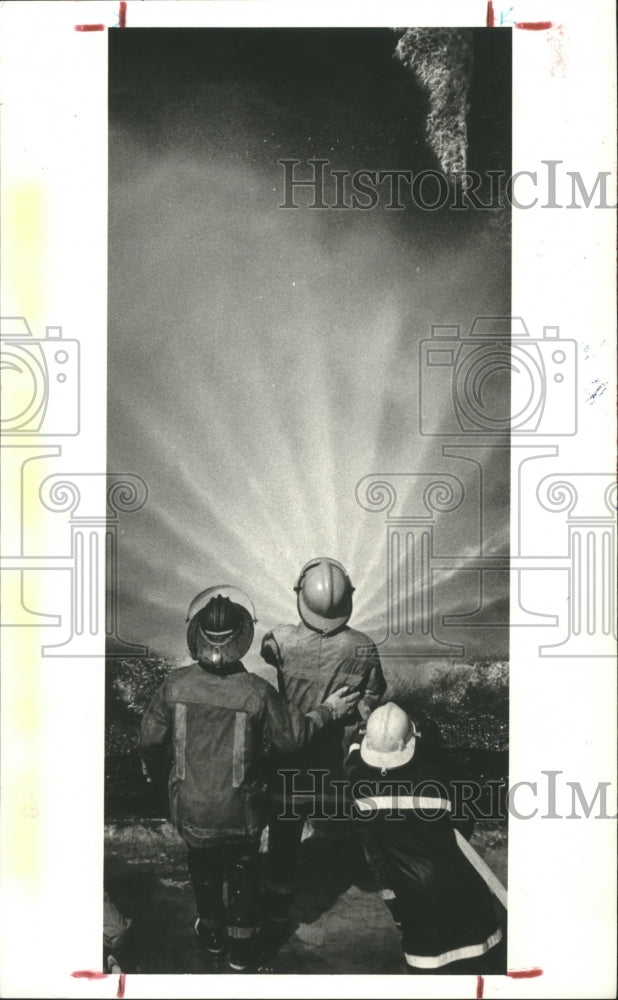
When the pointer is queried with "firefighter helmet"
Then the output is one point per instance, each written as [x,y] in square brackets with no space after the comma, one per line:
[220,629]
[390,738]
[324,595]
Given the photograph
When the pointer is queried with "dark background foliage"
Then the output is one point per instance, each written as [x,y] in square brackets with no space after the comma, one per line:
[463,707]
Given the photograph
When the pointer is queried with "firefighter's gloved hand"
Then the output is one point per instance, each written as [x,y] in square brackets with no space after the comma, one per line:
[364,709]
[341,703]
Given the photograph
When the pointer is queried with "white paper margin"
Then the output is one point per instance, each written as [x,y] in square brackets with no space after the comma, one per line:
[54,122]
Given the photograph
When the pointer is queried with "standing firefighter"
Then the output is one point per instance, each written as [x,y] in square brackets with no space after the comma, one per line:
[221,719]
[438,898]
[313,658]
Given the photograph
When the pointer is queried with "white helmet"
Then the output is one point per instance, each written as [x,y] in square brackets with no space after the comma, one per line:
[324,595]
[390,738]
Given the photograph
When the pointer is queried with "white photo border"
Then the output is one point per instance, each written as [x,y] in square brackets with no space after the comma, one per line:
[563,709]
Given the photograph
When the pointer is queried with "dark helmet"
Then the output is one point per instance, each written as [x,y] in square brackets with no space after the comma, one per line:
[220,627]
[220,620]
[324,595]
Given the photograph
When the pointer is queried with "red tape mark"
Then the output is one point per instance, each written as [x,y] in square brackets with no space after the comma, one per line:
[122,14]
[89,27]
[534,25]
[87,974]
[525,973]
[480,987]
[121,984]
[491,17]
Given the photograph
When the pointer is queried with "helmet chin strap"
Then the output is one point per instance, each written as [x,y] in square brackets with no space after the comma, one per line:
[324,631]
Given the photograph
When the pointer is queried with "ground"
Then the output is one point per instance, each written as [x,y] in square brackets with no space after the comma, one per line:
[339,924]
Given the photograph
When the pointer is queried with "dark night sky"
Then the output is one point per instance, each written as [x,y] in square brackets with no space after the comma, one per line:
[262,361]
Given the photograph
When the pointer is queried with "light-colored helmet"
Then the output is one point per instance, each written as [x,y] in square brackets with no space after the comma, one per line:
[324,595]
[220,625]
[390,738]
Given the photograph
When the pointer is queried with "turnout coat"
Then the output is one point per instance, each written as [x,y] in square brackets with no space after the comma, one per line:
[446,910]
[221,723]
[311,666]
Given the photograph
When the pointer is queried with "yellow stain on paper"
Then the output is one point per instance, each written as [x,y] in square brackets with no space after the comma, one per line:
[24,242]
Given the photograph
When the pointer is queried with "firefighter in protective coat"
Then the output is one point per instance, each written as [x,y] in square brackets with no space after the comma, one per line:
[439,899]
[221,720]
[313,658]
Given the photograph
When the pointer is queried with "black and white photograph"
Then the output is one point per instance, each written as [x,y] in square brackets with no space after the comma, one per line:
[309,536]
[309,368]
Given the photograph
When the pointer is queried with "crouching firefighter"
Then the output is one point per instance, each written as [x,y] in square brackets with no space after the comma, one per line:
[221,719]
[438,887]
[313,658]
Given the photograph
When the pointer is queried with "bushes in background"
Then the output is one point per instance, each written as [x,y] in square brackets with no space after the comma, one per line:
[468,702]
